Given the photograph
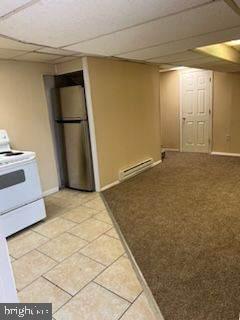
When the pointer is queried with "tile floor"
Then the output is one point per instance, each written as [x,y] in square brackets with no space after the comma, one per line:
[75,260]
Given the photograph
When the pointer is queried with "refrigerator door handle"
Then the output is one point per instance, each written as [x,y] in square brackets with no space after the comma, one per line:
[69,121]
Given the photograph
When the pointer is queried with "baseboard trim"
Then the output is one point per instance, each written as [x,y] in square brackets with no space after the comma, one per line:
[50,191]
[227,154]
[169,149]
[110,185]
[156,163]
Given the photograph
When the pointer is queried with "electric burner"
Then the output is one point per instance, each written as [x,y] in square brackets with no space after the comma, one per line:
[11,153]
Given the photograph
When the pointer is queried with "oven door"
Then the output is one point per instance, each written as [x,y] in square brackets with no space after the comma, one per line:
[19,185]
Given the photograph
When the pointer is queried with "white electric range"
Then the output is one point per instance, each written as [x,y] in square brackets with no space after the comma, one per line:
[21,202]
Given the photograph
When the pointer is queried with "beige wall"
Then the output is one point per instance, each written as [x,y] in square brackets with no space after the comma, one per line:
[125,100]
[126,112]
[226,112]
[24,114]
[169,102]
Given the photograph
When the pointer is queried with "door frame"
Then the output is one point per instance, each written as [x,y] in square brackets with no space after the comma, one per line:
[83,67]
[190,70]
[91,123]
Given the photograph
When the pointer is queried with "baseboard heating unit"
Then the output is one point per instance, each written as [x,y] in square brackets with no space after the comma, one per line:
[135,169]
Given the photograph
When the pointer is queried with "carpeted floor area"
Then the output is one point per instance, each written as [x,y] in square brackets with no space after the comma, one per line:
[181,220]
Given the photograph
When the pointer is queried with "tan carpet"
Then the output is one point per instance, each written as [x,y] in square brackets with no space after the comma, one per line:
[181,220]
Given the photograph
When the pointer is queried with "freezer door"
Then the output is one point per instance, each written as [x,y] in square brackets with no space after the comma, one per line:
[78,156]
[73,105]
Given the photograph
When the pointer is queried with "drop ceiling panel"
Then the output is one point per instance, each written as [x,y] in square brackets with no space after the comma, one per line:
[209,18]
[65,59]
[71,21]
[35,56]
[195,62]
[212,64]
[8,53]
[10,5]
[57,51]
[182,45]
[16,45]
[219,66]
[187,55]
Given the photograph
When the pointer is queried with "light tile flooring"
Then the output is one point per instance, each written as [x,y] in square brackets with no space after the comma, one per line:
[75,260]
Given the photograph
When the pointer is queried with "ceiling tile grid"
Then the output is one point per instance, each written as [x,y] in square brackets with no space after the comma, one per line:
[195,62]
[65,59]
[71,21]
[8,6]
[6,43]
[209,18]
[182,45]
[157,31]
[218,66]
[37,56]
[57,51]
[9,53]
[180,56]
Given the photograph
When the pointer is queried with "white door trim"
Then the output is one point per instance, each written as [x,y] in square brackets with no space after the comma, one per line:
[210,105]
[91,123]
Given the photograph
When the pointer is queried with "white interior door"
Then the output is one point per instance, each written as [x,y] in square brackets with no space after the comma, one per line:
[196,110]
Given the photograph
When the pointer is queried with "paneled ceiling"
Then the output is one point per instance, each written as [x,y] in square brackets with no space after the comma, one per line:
[155,31]
[10,6]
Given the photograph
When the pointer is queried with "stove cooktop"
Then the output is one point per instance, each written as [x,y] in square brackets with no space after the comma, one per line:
[10,153]
[13,156]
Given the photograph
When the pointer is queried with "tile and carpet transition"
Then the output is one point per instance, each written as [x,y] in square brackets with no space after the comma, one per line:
[181,220]
[74,260]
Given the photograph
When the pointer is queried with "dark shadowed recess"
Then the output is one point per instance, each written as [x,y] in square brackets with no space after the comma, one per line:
[181,220]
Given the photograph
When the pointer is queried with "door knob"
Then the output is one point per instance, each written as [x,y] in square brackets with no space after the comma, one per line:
[184,118]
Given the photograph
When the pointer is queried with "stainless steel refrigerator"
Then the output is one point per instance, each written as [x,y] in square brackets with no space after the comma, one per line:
[76,138]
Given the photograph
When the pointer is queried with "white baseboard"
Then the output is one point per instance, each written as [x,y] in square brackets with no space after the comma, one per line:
[225,154]
[169,149]
[110,185]
[117,181]
[156,163]
[50,191]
